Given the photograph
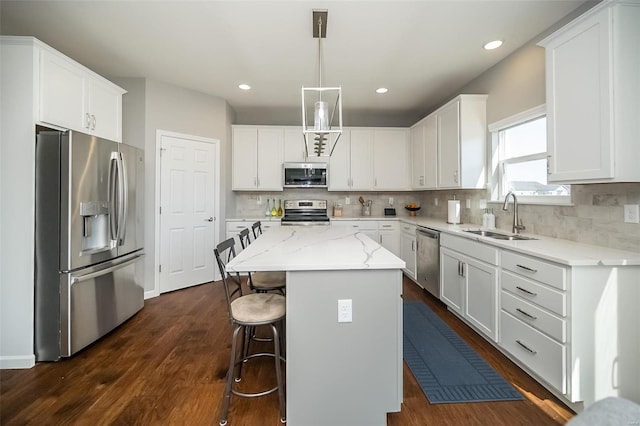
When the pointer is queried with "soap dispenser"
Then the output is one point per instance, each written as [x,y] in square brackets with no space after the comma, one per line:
[491,220]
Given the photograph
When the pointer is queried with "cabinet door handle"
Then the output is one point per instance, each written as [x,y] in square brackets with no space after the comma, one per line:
[527,269]
[380,238]
[255,182]
[455,176]
[88,120]
[527,348]
[93,122]
[524,290]
[526,314]
[548,164]
[413,245]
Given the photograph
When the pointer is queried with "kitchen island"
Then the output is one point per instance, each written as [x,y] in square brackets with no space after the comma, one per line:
[342,373]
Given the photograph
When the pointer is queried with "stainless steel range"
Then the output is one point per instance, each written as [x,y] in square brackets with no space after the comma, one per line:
[305,212]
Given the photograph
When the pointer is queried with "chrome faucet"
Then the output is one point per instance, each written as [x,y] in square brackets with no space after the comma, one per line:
[517,227]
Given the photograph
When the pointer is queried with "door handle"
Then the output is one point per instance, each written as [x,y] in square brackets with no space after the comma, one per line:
[209,220]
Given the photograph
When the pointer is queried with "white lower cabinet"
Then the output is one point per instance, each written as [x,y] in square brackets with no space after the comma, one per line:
[574,328]
[534,316]
[235,226]
[469,282]
[537,351]
[408,248]
[389,236]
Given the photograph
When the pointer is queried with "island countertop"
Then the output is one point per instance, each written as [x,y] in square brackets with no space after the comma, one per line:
[313,248]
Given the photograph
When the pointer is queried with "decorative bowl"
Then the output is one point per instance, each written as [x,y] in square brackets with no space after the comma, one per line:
[412,210]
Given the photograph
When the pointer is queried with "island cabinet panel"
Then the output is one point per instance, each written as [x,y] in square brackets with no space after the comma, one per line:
[592,131]
[351,377]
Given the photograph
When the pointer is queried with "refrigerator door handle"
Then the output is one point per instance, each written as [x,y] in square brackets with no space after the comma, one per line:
[113,192]
[105,271]
[122,199]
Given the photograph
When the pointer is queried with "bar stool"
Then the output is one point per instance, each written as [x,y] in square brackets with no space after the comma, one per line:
[256,228]
[263,281]
[245,313]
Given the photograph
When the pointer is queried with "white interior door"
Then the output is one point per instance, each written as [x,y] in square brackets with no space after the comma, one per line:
[188,211]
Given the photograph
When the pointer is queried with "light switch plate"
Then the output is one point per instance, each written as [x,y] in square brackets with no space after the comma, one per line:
[347,201]
[631,213]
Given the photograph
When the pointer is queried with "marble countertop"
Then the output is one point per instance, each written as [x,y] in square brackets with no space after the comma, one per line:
[556,250]
[299,248]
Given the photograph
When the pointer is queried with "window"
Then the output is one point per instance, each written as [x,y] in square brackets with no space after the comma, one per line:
[520,160]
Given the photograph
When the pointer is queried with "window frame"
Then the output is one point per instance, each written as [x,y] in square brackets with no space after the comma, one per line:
[497,167]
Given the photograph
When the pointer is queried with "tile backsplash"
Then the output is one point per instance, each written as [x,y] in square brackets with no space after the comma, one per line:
[596,216]
[247,204]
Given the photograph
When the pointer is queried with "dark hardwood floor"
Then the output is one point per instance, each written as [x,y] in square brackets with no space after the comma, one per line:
[167,365]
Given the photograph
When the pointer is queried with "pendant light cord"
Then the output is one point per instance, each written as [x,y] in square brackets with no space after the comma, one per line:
[320,55]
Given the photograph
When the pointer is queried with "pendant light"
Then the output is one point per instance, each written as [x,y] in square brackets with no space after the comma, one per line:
[321,136]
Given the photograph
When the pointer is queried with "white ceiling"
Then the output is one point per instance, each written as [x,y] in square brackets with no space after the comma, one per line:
[423,51]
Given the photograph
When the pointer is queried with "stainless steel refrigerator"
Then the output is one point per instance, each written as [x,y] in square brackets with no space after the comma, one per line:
[89,239]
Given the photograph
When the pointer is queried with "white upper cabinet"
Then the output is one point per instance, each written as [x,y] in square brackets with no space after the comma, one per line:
[294,151]
[257,158]
[351,165]
[592,90]
[424,153]
[74,98]
[390,159]
[461,151]
[360,155]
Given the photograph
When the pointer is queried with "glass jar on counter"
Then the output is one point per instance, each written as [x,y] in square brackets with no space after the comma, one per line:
[337,210]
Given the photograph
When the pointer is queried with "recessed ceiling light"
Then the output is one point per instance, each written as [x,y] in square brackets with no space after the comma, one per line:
[493,44]
[244,87]
[382,90]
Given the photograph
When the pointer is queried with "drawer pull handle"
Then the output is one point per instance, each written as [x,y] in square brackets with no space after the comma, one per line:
[526,347]
[527,269]
[526,314]
[524,290]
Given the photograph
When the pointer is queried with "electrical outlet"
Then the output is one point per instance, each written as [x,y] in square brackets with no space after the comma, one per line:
[482,204]
[347,201]
[631,213]
[390,201]
[435,201]
[259,200]
[468,203]
[345,313]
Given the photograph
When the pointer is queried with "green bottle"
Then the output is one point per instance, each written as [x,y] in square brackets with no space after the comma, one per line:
[274,212]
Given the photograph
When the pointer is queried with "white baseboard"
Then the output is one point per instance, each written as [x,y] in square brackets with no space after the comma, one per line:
[151,294]
[16,362]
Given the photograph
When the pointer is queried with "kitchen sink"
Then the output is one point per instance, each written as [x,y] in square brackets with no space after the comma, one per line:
[497,235]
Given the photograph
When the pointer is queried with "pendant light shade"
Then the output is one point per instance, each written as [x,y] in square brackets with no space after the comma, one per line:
[323,104]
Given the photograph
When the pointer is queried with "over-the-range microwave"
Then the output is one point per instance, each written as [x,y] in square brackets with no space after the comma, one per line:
[305,175]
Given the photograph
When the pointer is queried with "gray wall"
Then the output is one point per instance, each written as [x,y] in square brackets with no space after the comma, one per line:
[150,106]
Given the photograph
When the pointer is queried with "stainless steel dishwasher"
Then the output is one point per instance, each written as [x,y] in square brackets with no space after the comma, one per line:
[428,259]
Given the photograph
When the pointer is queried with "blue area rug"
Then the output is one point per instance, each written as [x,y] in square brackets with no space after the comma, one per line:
[447,369]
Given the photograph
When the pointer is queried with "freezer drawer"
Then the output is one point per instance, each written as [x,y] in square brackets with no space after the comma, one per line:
[95,302]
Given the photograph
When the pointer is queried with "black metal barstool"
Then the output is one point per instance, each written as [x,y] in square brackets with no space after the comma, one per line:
[245,313]
[263,281]
[256,228]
